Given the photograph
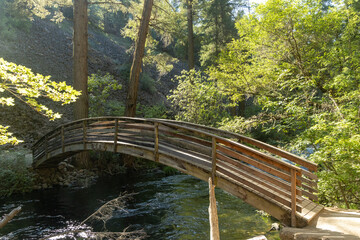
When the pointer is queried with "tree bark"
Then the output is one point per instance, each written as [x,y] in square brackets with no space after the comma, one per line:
[191,60]
[80,69]
[132,94]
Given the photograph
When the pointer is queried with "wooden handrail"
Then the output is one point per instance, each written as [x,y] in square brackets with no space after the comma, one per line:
[239,162]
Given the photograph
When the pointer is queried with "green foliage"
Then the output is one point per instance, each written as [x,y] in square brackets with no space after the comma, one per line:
[40,8]
[156,111]
[147,84]
[15,177]
[198,99]
[217,27]
[100,88]
[10,20]
[18,81]
[162,29]
[300,62]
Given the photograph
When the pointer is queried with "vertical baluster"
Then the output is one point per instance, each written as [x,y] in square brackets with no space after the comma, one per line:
[46,147]
[213,156]
[84,134]
[293,197]
[116,135]
[156,148]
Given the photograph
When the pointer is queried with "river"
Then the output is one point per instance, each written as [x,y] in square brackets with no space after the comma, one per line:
[164,206]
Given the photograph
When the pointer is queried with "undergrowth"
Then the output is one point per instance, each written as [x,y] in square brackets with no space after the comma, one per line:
[15,176]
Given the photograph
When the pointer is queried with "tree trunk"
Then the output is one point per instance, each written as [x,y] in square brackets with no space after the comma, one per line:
[131,98]
[80,69]
[191,60]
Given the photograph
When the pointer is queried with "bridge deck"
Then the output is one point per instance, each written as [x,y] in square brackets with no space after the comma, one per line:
[249,169]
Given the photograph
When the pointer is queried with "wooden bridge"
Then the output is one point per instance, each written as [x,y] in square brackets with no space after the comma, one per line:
[270,179]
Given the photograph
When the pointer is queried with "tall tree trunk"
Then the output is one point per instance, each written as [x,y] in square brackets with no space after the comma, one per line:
[132,94]
[80,68]
[191,60]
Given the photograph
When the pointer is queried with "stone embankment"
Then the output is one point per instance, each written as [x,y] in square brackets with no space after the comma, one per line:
[64,174]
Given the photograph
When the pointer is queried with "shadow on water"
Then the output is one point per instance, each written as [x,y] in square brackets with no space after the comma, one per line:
[166,207]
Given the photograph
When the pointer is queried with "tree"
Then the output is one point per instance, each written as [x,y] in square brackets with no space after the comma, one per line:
[19,82]
[131,99]
[217,27]
[300,62]
[80,67]
[198,99]
[191,57]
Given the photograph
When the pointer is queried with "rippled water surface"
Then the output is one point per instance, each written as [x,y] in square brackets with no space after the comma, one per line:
[166,207]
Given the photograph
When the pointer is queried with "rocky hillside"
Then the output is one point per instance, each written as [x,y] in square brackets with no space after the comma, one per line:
[46,48]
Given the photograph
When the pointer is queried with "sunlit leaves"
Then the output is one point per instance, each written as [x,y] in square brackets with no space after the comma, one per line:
[6,137]
[198,99]
[301,63]
[20,82]
[100,87]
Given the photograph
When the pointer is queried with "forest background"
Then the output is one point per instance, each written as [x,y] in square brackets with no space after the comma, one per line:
[284,72]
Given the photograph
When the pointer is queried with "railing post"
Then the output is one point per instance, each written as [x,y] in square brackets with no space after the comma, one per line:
[62,139]
[293,198]
[84,134]
[156,147]
[116,135]
[46,147]
[213,156]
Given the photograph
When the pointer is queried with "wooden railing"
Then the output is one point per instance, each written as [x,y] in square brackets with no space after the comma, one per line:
[272,173]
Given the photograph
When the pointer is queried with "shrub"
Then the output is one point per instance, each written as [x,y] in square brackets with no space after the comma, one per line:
[15,177]
[100,87]
[147,84]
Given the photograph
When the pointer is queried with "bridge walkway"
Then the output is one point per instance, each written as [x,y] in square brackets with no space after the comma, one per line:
[268,178]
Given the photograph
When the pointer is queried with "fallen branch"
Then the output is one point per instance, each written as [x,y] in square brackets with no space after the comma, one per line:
[9,216]
[105,212]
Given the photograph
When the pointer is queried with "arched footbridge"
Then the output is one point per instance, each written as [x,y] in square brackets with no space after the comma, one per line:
[270,179]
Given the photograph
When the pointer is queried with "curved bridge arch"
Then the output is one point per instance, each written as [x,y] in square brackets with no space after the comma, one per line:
[275,181]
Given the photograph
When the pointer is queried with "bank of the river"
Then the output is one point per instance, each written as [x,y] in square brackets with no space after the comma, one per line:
[166,207]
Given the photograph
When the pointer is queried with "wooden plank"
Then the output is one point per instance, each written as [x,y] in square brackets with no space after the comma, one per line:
[292,157]
[186,144]
[258,173]
[310,175]
[255,163]
[189,138]
[116,134]
[156,148]
[187,130]
[258,180]
[261,189]
[259,155]
[308,182]
[293,198]
[62,139]
[214,160]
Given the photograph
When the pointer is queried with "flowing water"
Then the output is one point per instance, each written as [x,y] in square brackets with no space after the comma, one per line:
[165,207]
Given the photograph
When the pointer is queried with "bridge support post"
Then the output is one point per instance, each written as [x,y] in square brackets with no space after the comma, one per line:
[293,198]
[213,216]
